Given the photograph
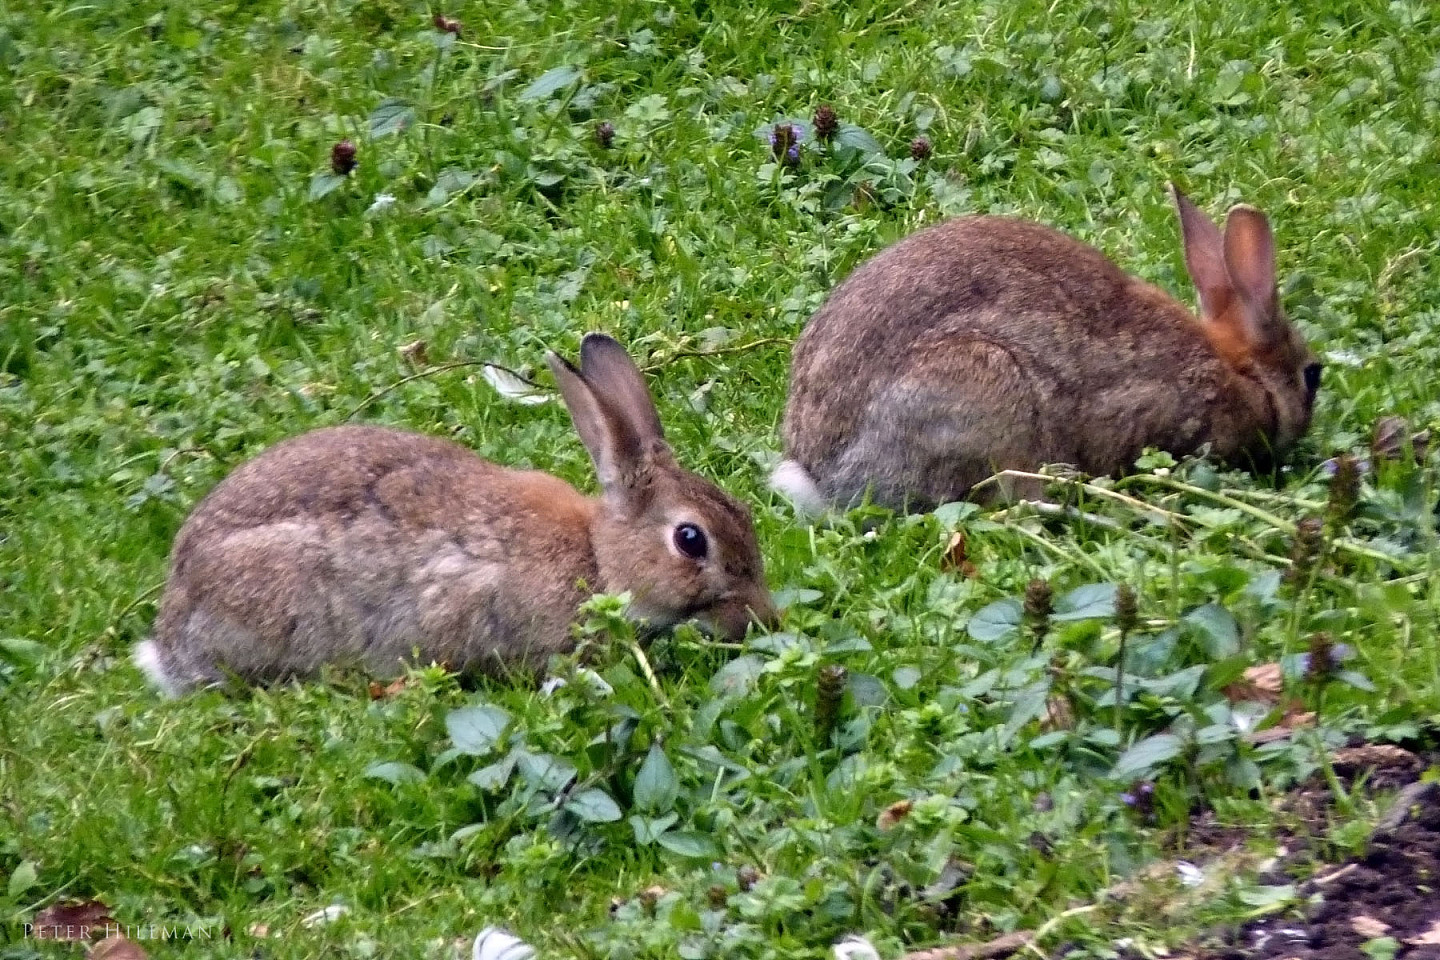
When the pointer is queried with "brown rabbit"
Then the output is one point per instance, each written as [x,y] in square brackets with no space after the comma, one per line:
[363,545]
[989,343]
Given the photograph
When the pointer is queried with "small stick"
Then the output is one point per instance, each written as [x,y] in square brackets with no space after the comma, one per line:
[719,351]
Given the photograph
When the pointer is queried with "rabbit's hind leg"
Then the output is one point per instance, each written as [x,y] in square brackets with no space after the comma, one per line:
[962,413]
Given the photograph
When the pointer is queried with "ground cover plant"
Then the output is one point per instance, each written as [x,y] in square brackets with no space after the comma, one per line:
[225,223]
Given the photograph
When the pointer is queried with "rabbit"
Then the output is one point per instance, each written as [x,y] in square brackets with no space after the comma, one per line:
[988,343]
[364,545]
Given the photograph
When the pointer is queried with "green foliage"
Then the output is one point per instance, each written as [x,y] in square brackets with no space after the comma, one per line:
[186,277]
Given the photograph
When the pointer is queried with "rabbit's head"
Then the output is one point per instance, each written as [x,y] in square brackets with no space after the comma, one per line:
[682,546]
[1234,273]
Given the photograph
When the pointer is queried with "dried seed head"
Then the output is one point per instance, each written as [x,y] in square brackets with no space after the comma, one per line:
[1344,489]
[342,157]
[920,148]
[827,124]
[605,133]
[746,877]
[1038,607]
[829,689]
[1127,608]
[717,896]
[447,25]
[1305,551]
[1322,661]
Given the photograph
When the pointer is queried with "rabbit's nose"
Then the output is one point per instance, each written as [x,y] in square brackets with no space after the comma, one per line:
[762,609]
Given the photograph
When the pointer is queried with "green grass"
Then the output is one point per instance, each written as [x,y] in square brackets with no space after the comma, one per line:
[172,300]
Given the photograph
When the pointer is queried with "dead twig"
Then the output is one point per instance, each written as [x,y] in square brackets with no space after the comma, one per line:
[717,352]
[430,372]
[1004,946]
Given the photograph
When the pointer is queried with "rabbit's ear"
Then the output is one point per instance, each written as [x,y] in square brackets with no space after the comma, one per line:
[619,427]
[620,387]
[1250,262]
[1204,257]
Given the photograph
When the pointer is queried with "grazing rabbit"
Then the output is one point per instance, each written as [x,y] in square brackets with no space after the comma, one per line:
[989,343]
[363,545]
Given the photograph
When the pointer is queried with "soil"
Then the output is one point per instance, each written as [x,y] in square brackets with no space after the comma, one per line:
[1392,890]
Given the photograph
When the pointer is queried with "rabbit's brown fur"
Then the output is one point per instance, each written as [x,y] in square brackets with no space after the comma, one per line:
[361,545]
[989,343]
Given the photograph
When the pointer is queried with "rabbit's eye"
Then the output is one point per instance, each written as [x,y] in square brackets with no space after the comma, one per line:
[1312,377]
[690,540]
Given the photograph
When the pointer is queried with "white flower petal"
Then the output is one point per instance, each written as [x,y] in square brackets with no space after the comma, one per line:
[494,943]
[326,915]
[856,948]
[1190,875]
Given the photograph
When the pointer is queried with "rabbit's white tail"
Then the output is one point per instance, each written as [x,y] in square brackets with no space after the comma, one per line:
[148,658]
[795,482]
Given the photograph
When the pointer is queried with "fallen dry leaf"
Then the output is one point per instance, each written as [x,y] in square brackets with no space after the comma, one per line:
[416,353]
[72,920]
[117,948]
[956,557]
[1059,715]
[383,692]
[1429,938]
[1288,724]
[999,947]
[891,816]
[1391,435]
[260,931]
[1261,684]
[1368,927]
[1374,755]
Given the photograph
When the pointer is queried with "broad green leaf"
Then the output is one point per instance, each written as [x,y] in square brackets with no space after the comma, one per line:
[996,621]
[21,880]
[857,138]
[905,677]
[697,846]
[738,676]
[20,649]
[1356,679]
[1090,602]
[949,515]
[1029,705]
[324,184]
[648,831]
[392,116]
[656,785]
[496,775]
[866,690]
[394,772]
[550,82]
[1219,633]
[476,730]
[594,806]
[1146,755]
[545,771]
[791,596]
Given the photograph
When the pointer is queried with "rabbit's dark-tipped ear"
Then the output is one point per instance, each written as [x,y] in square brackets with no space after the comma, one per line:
[1204,257]
[612,412]
[620,386]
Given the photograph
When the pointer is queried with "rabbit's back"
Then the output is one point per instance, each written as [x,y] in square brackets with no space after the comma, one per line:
[360,544]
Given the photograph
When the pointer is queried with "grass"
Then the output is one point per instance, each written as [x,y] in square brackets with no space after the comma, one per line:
[181,284]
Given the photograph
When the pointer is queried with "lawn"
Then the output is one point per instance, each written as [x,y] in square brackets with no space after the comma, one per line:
[924,752]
